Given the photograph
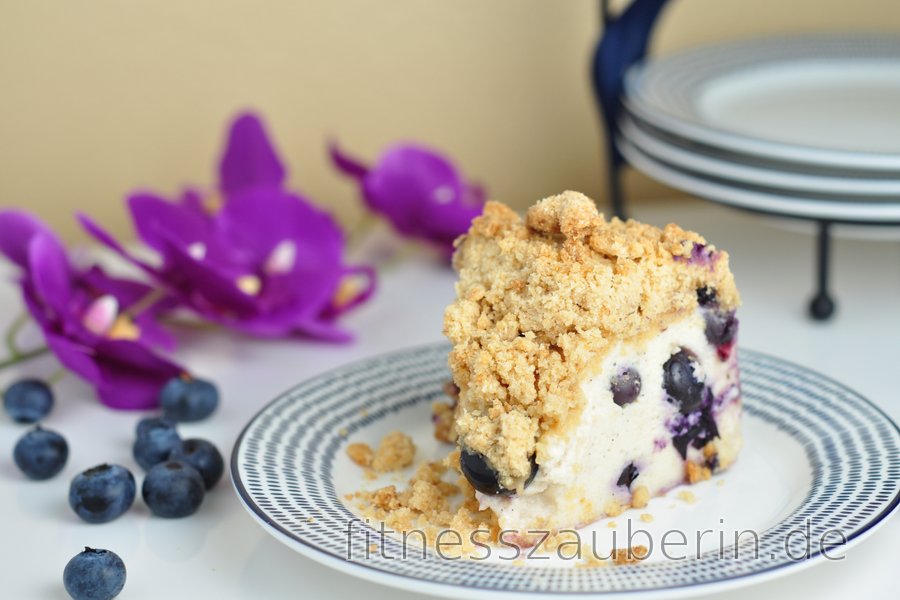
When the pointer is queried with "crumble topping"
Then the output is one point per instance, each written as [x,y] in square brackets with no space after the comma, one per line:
[540,300]
[442,415]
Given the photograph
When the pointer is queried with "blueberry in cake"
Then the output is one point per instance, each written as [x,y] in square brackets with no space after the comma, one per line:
[594,362]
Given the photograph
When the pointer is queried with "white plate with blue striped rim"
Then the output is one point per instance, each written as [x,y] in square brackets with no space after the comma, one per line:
[818,459]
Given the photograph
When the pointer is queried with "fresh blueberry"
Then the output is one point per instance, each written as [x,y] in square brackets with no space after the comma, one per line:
[94,575]
[28,400]
[629,474]
[173,489]
[148,424]
[706,296]
[680,383]
[626,386]
[203,456]
[155,440]
[721,326]
[483,476]
[102,493]
[187,399]
[41,453]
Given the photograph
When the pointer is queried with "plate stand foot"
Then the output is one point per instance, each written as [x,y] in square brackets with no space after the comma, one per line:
[821,308]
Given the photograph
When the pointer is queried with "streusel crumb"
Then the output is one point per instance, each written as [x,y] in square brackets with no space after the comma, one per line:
[633,554]
[687,496]
[540,300]
[432,504]
[360,454]
[395,452]
[442,416]
[640,497]
[695,472]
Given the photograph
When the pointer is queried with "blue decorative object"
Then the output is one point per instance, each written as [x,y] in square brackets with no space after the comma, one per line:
[623,43]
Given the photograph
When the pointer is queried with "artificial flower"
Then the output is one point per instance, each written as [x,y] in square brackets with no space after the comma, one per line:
[253,257]
[418,191]
[99,327]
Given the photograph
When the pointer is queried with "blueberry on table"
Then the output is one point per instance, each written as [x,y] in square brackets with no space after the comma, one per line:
[41,453]
[203,456]
[186,399]
[102,493]
[156,437]
[173,489]
[147,424]
[483,476]
[680,381]
[626,386]
[94,575]
[28,400]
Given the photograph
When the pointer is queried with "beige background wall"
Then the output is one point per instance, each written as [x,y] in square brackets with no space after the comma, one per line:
[99,97]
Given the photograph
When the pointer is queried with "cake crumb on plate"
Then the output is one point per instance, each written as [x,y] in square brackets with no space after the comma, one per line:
[687,496]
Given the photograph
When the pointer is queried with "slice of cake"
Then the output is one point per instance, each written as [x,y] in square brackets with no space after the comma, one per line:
[594,360]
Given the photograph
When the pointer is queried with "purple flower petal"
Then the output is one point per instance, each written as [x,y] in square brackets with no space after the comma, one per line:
[50,273]
[249,160]
[102,236]
[420,192]
[17,228]
[364,293]
[177,221]
[131,376]
[75,357]
[203,286]
[128,293]
[255,222]
[346,163]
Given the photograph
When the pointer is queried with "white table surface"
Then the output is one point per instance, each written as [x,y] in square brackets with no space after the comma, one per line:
[222,553]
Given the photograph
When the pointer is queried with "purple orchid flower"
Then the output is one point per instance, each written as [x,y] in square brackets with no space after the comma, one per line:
[99,327]
[420,192]
[255,258]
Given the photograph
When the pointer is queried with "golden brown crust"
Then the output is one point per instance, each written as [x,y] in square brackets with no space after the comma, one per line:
[540,300]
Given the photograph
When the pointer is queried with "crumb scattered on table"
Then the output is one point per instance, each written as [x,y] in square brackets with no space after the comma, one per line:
[647,518]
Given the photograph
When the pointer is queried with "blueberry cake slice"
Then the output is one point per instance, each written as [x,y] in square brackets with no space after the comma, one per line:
[594,361]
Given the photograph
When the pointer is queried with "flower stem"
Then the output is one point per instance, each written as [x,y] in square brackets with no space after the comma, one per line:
[12,332]
[56,376]
[19,357]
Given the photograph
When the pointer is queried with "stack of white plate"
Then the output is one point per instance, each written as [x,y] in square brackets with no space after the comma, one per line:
[806,127]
